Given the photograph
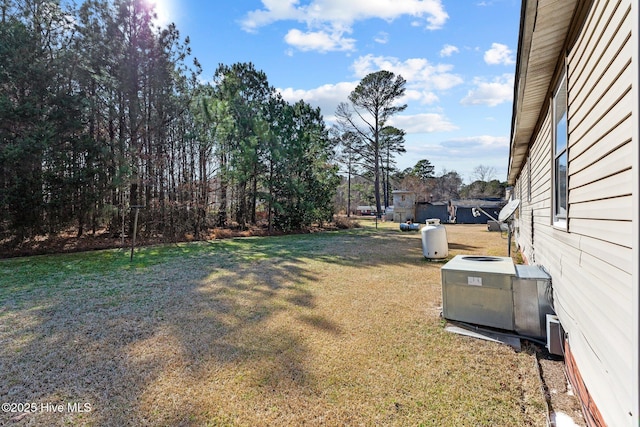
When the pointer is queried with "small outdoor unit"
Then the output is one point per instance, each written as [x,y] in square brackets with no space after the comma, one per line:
[478,290]
[492,291]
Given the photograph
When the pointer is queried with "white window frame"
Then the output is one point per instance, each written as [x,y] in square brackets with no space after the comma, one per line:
[560,150]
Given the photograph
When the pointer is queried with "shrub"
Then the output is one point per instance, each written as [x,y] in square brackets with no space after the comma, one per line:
[344,223]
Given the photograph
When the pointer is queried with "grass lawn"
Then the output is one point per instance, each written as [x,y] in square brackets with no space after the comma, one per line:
[336,328]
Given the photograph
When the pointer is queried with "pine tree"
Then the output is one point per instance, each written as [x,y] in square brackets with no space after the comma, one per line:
[372,104]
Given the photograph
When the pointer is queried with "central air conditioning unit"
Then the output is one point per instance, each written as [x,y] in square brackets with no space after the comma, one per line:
[478,290]
[492,291]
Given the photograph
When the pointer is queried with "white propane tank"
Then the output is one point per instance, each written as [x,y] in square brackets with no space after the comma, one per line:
[434,240]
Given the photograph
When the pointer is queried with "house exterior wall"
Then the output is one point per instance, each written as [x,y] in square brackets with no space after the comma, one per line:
[635,273]
[594,262]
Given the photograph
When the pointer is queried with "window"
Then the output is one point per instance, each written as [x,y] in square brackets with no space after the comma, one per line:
[560,139]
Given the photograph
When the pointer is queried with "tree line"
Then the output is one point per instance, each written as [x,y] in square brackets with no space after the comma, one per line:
[357,188]
[449,185]
[102,111]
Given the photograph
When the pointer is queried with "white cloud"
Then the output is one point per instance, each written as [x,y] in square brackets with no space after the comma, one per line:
[382,38]
[499,54]
[423,78]
[448,50]
[479,143]
[337,16]
[472,147]
[337,11]
[492,93]
[424,82]
[329,91]
[422,123]
[418,72]
[275,10]
[424,97]
[327,97]
[319,41]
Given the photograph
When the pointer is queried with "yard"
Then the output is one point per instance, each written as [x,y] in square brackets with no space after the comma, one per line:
[333,328]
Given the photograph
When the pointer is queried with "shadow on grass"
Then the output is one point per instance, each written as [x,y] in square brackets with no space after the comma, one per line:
[94,328]
[462,247]
[155,341]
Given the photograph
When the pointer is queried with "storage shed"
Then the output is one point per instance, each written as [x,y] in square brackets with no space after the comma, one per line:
[574,164]
[404,206]
[427,210]
[458,211]
[464,210]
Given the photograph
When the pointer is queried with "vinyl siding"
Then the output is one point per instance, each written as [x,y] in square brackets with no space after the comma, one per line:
[591,263]
[601,210]
[536,213]
[585,170]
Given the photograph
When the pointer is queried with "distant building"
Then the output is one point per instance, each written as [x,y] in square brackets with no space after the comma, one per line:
[459,211]
[366,210]
[404,206]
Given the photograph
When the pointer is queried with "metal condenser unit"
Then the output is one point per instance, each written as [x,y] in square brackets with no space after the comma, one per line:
[532,300]
[493,291]
[478,289]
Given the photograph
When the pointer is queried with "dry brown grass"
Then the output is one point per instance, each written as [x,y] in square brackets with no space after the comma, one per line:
[345,223]
[339,328]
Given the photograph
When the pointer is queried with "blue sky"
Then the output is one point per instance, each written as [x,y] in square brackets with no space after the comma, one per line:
[458,57]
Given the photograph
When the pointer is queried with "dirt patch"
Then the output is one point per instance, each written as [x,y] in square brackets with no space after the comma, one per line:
[562,402]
